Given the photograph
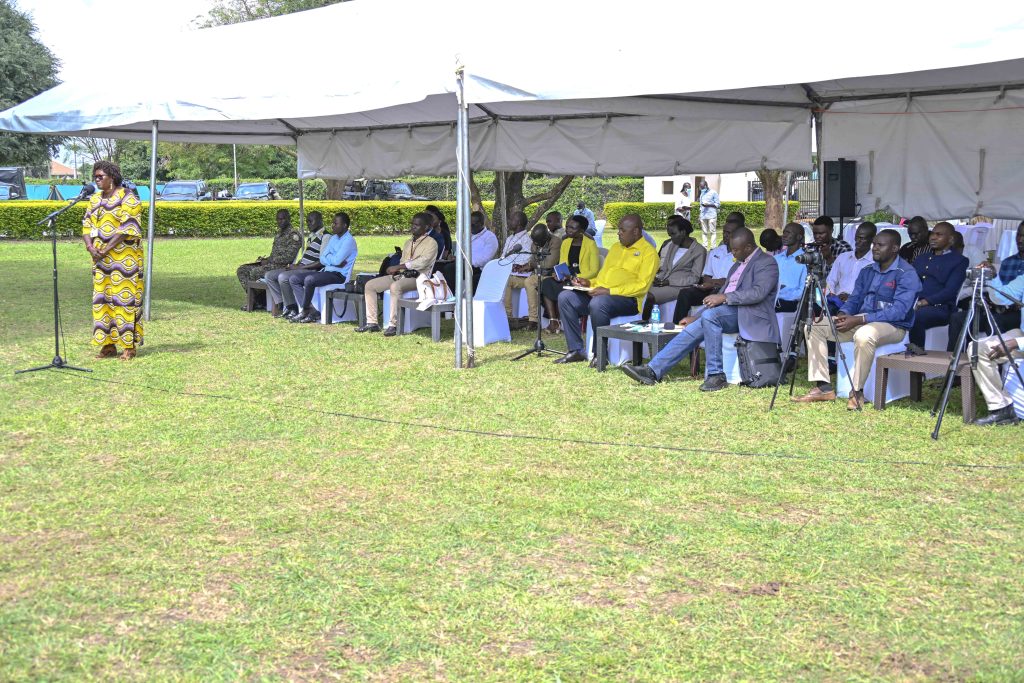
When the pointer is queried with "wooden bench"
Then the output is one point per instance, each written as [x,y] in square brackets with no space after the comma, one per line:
[251,288]
[436,311]
[931,363]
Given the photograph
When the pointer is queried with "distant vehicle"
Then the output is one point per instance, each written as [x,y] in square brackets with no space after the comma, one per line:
[185,191]
[256,191]
[13,178]
[389,190]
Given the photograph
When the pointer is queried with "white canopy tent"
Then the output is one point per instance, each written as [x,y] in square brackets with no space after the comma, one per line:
[630,107]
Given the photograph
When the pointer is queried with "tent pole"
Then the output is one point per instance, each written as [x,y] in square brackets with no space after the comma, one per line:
[819,138]
[467,275]
[148,277]
[302,204]
[460,189]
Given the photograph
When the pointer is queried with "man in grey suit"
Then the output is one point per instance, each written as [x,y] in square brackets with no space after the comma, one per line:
[746,305]
[682,262]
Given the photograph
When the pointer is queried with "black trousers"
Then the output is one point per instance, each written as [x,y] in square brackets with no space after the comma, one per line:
[448,270]
[687,299]
[1006,321]
[313,280]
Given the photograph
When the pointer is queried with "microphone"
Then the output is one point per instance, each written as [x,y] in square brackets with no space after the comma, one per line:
[88,190]
[515,250]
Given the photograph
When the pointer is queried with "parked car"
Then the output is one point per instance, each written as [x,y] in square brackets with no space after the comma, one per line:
[8,191]
[390,190]
[256,191]
[185,191]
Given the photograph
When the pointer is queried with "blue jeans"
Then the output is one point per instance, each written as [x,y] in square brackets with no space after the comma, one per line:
[709,328]
[573,305]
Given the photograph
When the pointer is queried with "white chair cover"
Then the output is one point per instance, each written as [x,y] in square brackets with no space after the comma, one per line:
[490,323]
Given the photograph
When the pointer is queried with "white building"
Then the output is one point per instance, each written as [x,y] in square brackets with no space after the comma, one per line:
[731,187]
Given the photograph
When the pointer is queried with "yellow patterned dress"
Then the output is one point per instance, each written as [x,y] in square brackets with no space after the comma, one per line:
[117,279]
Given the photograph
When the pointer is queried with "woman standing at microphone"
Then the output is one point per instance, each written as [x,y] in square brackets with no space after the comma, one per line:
[112,233]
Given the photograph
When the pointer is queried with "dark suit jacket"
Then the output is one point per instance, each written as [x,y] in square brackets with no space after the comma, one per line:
[755,298]
[688,270]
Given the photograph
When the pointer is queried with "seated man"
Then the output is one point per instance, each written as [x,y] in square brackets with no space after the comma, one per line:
[917,228]
[942,272]
[716,271]
[278,288]
[618,289]
[418,255]
[535,271]
[682,261]
[286,247]
[825,241]
[879,311]
[792,275]
[842,277]
[1005,313]
[991,355]
[746,305]
[554,223]
[337,259]
[771,242]
[483,247]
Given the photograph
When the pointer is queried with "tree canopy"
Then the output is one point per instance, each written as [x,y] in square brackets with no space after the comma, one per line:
[29,68]
[237,11]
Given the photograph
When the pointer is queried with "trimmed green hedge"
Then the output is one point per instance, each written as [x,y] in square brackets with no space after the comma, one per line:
[223,219]
[654,214]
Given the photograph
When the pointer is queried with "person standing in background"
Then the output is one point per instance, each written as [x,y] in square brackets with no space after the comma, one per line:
[709,206]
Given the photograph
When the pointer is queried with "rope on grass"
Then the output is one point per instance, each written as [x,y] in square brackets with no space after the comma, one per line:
[548,439]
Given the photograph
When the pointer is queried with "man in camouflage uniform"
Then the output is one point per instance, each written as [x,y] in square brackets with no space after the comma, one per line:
[286,247]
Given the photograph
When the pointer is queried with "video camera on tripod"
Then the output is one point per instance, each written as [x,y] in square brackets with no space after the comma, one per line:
[813,259]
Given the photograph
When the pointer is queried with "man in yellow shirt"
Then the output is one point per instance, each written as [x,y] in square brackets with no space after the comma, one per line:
[618,289]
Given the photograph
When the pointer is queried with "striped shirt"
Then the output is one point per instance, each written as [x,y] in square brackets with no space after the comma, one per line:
[312,253]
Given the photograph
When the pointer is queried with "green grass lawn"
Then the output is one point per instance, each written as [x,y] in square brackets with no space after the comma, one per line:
[227,507]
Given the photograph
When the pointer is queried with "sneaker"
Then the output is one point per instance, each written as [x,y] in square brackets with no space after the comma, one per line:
[715,382]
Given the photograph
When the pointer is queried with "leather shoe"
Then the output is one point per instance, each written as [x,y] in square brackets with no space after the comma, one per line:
[310,317]
[571,357]
[856,401]
[815,395]
[1000,416]
[715,382]
[368,328]
[391,331]
[290,313]
[641,373]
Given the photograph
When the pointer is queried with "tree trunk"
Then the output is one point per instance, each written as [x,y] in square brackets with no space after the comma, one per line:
[774,184]
[515,200]
[335,187]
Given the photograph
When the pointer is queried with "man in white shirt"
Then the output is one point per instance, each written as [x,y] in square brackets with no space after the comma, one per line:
[582,210]
[991,356]
[483,248]
[522,265]
[843,276]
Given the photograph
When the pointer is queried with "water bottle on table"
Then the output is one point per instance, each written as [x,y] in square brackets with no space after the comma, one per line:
[656,319]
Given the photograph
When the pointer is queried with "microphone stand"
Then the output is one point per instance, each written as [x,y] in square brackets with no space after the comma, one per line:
[58,363]
[539,347]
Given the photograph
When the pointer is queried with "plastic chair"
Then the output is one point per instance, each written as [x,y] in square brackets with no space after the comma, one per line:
[411,319]
[1014,389]
[489,321]
[619,352]
[898,385]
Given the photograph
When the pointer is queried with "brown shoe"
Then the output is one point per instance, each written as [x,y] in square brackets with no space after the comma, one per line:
[856,401]
[815,395]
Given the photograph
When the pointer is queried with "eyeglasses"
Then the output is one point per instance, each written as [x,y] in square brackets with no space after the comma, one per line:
[99,177]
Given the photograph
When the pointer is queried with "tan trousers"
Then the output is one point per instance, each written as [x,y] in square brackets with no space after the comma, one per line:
[532,295]
[379,285]
[987,375]
[866,338]
[709,230]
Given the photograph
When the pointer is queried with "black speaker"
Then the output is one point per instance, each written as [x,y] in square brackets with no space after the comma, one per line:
[840,188]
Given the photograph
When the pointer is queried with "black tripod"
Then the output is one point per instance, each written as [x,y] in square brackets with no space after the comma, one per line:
[978,307]
[539,347]
[813,291]
[58,362]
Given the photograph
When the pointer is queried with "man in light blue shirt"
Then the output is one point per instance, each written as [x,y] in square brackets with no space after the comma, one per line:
[337,258]
[709,206]
[792,275]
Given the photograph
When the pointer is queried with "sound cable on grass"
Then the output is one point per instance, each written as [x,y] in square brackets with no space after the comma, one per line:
[306,410]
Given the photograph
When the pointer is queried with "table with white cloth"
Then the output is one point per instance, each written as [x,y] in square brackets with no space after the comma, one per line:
[1007,245]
